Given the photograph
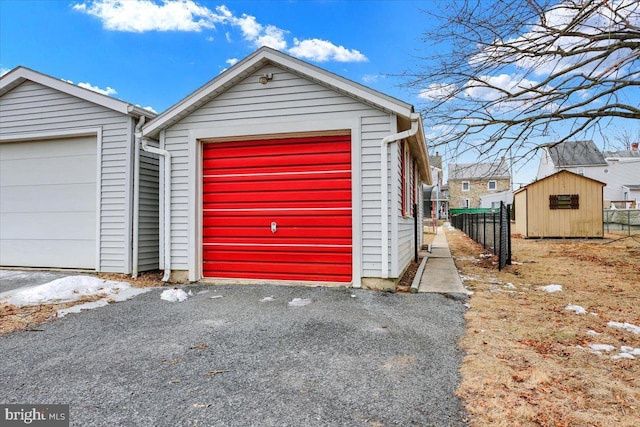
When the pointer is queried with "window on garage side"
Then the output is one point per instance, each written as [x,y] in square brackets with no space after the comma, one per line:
[564,201]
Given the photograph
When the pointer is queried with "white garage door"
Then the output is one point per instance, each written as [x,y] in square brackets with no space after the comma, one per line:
[48,203]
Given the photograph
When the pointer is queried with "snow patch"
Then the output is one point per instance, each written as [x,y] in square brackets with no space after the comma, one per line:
[65,289]
[299,302]
[174,295]
[623,356]
[630,350]
[267,299]
[626,326]
[203,292]
[597,348]
[592,332]
[576,309]
[551,288]
[120,296]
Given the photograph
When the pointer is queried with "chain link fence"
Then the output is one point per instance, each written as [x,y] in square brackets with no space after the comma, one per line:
[622,221]
[490,229]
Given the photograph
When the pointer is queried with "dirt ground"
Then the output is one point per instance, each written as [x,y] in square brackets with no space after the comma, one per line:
[529,360]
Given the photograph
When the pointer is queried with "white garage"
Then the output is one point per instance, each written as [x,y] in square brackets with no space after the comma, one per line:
[71,192]
[48,203]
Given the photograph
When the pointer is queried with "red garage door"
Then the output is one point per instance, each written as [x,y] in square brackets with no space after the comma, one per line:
[278,209]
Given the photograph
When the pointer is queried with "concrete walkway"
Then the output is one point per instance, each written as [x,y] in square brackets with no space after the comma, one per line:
[440,273]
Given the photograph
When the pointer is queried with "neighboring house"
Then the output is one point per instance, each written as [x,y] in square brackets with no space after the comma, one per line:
[67,173]
[564,204]
[436,203]
[493,200]
[619,170]
[276,174]
[468,182]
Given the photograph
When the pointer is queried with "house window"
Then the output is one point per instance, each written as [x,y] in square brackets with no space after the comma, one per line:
[492,185]
[466,185]
[564,201]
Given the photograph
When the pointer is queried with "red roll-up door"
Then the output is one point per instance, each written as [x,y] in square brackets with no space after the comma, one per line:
[278,209]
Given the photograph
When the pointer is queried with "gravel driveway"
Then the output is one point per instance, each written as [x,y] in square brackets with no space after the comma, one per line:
[373,359]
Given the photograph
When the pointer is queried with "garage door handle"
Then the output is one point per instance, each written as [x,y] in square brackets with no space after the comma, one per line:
[274,227]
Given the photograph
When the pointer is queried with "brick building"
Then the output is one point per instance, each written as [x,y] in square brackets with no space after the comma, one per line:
[468,181]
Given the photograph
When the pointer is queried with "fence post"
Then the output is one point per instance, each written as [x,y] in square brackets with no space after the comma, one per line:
[484,230]
[629,221]
[509,207]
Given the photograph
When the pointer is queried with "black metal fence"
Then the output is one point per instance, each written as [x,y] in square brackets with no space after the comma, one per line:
[490,229]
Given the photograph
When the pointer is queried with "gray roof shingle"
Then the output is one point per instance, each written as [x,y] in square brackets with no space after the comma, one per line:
[496,170]
[575,153]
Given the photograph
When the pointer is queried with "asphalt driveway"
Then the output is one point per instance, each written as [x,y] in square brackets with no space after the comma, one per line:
[373,359]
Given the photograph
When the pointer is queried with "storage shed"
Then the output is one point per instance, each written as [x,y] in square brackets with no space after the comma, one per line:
[282,171]
[67,174]
[564,204]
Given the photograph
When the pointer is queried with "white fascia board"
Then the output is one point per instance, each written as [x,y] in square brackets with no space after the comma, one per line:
[20,74]
[258,59]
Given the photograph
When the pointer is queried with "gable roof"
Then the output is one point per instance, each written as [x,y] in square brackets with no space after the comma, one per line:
[575,153]
[259,59]
[556,174]
[495,170]
[20,74]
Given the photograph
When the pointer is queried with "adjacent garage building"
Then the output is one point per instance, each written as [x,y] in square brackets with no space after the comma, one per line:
[75,192]
[278,170]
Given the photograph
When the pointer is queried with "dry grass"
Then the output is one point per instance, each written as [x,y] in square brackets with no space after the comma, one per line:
[14,318]
[528,361]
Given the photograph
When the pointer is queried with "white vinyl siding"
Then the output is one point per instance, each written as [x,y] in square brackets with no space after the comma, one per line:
[148,226]
[287,97]
[34,108]
[48,203]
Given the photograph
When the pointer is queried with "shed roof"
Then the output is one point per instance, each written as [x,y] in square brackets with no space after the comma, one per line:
[575,153]
[495,170]
[521,189]
[20,74]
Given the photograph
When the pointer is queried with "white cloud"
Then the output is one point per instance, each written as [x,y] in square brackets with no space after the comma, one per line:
[608,17]
[4,71]
[108,91]
[272,37]
[437,92]
[249,26]
[490,88]
[370,78]
[323,50]
[232,61]
[210,39]
[149,108]
[146,15]
[68,81]
[187,15]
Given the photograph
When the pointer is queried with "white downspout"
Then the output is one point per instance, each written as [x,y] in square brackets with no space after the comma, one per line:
[384,206]
[167,199]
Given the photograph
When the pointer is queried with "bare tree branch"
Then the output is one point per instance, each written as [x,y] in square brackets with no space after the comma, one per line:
[514,72]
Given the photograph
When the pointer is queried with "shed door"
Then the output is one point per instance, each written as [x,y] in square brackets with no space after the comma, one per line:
[48,203]
[278,209]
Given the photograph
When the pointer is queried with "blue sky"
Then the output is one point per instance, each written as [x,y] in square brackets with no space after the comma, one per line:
[157,68]
[154,53]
